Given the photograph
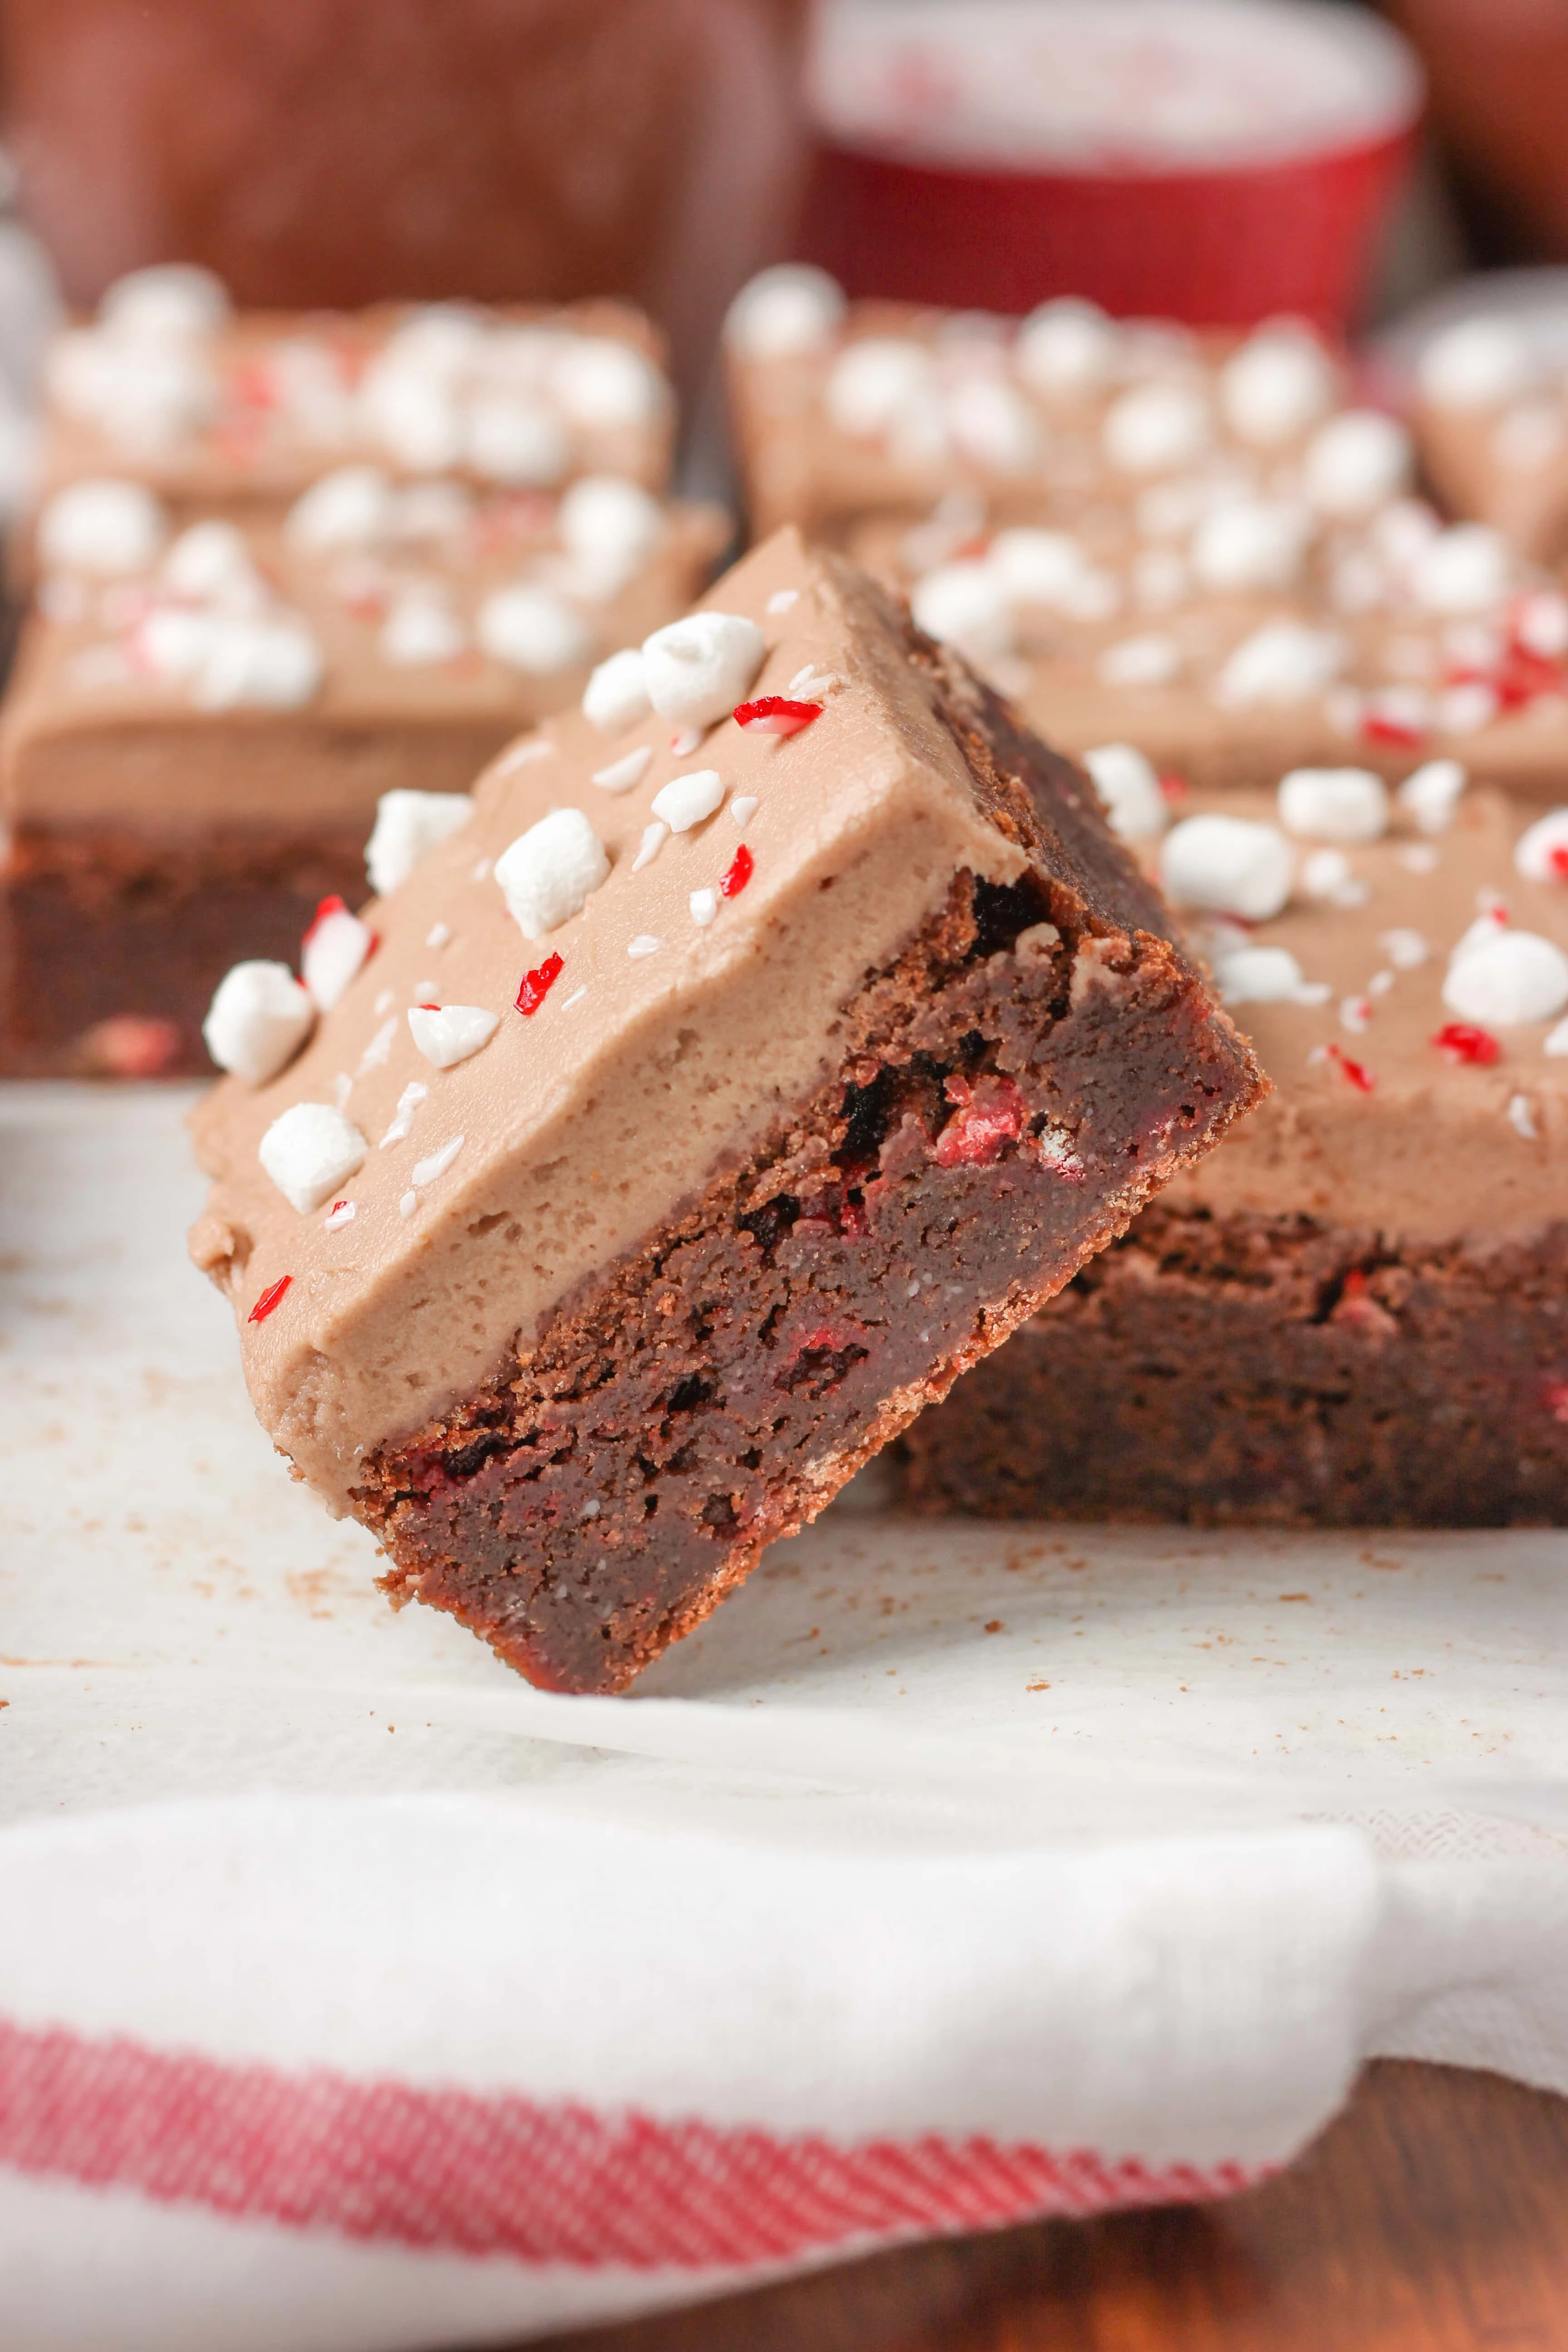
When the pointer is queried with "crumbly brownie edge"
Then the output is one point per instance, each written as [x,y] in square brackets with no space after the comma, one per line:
[1271,1371]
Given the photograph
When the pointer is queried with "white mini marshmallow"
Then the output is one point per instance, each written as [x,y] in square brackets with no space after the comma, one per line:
[615,696]
[1326,876]
[1038,567]
[1066,347]
[697,669]
[1151,660]
[334,948]
[1227,866]
[451,1033]
[607,385]
[1430,794]
[307,1152]
[685,801]
[872,381]
[174,642]
[1355,462]
[1258,975]
[1540,854]
[1156,428]
[212,560]
[991,425]
[1541,624]
[621,775]
[785,311]
[1249,546]
[1275,385]
[548,873]
[407,825]
[1284,661]
[352,506]
[420,630]
[1130,790]
[103,527]
[1478,363]
[609,528]
[169,301]
[1508,978]
[413,413]
[1462,569]
[966,604]
[260,664]
[533,631]
[257,1021]
[1343,805]
[515,441]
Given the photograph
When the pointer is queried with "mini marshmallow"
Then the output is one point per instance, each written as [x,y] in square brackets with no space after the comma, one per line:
[1461,569]
[1156,428]
[872,381]
[211,559]
[307,1152]
[1326,876]
[173,642]
[1508,979]
[1259,975]
[615,696]
[334,948]
[785,311]
[1248,546]
[1355,462]
[420,630]
[621,775]
[1226,865]
[1066,347]
[257,1021]
[169,301]
[1284,661]
[966,606]
[1129,790]
[451,1033]
[408,825]
[548,873]
[532,630]
[413,413]
[1343,805]
[991,425]
[607,385]
[352,506]
[609,528]
[1430,794]
[685,801]
[1138,661]
[1541,624]
[103,527]
[517,442]
[258,664]
[697,669]
[1038,567]
[1478,363]
[1275,385]
[1540,854]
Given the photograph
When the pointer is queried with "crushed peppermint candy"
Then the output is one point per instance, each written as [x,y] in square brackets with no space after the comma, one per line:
[270,1298]
[1355,1014]
[645,944]
[775,714]
[334,948]
[408,1101]
[782,598]
[1521,1118]
[536,985]
[425,1172]
[1540,854]
[1407,950]
[438,935]
[448,1033]
[1462,1041]
[687,800]
[654,837]
[739,872]
[744,807]
[684,741]
[380,1046]
[408,1204]
[340,1213]
[621,775]
[704,904]
[1356,1073]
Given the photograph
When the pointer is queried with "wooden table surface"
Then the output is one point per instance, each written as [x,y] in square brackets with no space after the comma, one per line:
[1432,2216]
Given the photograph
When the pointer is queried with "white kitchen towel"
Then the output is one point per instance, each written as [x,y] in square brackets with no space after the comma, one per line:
[353,1995]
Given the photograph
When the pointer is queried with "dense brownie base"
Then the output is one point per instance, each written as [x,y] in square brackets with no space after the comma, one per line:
[1272,1373]
[110,950]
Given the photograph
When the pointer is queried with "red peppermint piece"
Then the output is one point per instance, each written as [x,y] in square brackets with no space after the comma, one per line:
[1173,787]
[775,715]
[1558,861]
[743,865]
[324,907]
[1554,1396]
[1461,1041]
[987,1118]
[1360,1076]
[271,1297]
[536,985]
[1378,729]
[428,1008]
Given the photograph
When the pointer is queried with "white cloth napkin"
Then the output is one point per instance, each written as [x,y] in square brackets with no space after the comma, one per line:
[354,1996]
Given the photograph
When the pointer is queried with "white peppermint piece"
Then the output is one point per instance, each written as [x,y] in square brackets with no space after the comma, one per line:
[420,630]
[110,529]
[1507,979]
[211,559]
[352,507]
[262,664]
[1541,624]
[1066,347]
[1407,950]
[1431,793]
[967,607]
[621,775]
[1555,1042]
[533,631]
[1343,805]
[1130,790]
[335,947]
[169,301]
[744,807]
[685,801]
[451,1033]
[1467,709]
[1465,569]
[516,441]
[1036,567]
[1227,866]
[991,425]
[1274,387]
[1477,363]
[174,642]
[1540,854]
[783,599]
[413,413]
[378,1053]
[654,837]
[1284,661]
[615,696]
[408,1101]
[873,381]
[1355,462]
[1151,660]
[1521,1118]
[1259,975]
[645,944]
[607,385]
[425,1172]
[1249,545]
[548,873]
[1326,876]
[341,1213]
[610,527]
[697,669]
[785,311]
[1156,428]
[257,1021]
[309,1150]
[408,825]
[704,904]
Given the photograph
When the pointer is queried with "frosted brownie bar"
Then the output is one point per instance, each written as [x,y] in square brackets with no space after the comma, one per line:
[203,720]
[214,409]
[1357,1312]
[710,1099]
